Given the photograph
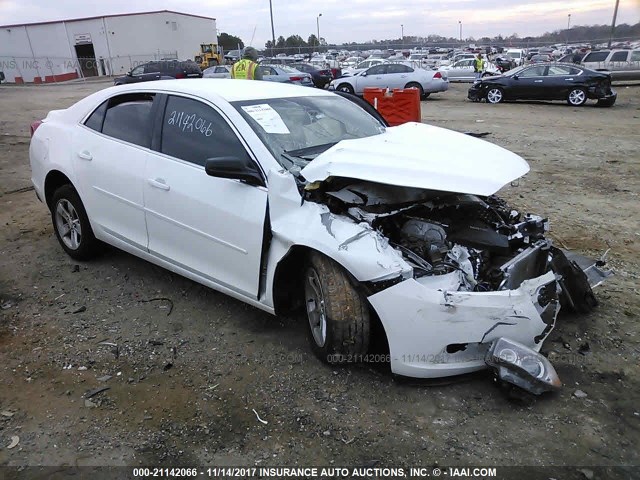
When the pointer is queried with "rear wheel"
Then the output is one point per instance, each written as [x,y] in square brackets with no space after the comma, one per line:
[71,224]
[338,314]
[346,88]
[495,95]
[418,87]
[577,97]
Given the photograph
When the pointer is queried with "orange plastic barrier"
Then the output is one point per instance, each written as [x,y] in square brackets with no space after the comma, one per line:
[397,107]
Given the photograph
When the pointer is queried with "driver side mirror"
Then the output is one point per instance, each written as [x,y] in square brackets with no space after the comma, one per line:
[363,74]
[515,77]
[130,73]
[234,168]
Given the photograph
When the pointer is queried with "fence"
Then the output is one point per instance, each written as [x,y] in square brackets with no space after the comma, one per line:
[46,69]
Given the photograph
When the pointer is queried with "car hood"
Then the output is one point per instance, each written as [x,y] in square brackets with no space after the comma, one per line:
[421,156]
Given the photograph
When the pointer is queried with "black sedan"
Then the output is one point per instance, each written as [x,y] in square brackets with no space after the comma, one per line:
[160,70]
[556,81]
[321,78]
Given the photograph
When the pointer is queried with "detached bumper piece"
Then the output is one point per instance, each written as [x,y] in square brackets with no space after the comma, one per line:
[521,366]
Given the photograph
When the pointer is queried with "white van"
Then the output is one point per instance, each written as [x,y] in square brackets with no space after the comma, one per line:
[518,55]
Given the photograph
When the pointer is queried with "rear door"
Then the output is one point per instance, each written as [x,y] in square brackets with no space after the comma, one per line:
[210,226]
[110,151]
[559,81]
[398,75]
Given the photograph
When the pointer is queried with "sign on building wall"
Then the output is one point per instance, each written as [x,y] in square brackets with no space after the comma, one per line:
[82,38]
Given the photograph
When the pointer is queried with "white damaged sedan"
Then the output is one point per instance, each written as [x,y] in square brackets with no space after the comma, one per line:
[283,197]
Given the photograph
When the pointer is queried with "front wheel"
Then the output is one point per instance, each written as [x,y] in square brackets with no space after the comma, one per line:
[338,314]
[345,88]
[495,95]
[577,97]
[71,224]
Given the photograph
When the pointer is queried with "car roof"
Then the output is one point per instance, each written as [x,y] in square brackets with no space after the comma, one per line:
[224,89]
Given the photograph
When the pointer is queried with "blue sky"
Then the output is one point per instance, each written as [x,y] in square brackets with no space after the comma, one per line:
[349,20]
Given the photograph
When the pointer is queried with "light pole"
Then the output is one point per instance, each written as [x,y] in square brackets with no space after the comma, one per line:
[460,23]
[568,27]
[318,26]
[613,23]
[273,32]
[402,30]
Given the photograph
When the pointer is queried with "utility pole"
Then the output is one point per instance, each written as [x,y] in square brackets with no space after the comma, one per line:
[402,30]
[318,27]
[613,23]
[460,23]
[273,32]
[568,27]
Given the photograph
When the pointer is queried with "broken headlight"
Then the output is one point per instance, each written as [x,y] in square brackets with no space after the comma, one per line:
[521,366]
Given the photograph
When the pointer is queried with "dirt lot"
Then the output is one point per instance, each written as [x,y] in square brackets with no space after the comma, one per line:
[188,372]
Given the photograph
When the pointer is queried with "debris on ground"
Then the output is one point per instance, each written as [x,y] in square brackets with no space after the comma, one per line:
[15,440]
[579,394]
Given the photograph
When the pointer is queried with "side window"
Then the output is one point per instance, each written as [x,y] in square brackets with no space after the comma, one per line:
[194,132]
[560,70]
[398,68]
[94,122]
[537,71]
[377,70]
[128,118]
[220,70]
[596,57]
[139,70]
[619,57]
[635,56]
[151,68]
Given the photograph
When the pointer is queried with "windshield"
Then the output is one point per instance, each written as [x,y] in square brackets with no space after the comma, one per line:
[513,71]
[294,127]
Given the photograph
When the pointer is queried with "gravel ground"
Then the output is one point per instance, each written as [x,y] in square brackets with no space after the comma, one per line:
[189,370]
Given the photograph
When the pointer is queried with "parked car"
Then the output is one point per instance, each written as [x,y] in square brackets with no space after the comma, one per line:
[541,58]
[359,223]
[517,54]
[362,66]
[464,70]
[160,70]
[219,71]
[321,77]
[351,62]
[622,64]
[285,74]
[556,81]
[393,75]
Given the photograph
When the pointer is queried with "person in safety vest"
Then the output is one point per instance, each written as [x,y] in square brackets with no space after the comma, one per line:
[247,68]
[478,66]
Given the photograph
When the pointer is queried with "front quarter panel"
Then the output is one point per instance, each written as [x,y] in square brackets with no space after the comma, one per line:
[362,251]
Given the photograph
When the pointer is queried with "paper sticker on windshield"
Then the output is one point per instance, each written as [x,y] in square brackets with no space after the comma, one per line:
[267,118]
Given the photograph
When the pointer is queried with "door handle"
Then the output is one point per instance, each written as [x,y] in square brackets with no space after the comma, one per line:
[159,183]
[568,79]
[537,81]
[85,155]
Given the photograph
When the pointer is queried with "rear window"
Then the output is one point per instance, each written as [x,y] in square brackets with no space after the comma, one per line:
[595,57]
[619,57]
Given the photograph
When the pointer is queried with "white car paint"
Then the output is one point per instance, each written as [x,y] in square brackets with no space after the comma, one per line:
[372,77]
[210,229]
[362,66]
[464,71]
[463,171]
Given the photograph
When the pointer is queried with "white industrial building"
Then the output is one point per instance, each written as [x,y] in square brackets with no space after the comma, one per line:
[95,46]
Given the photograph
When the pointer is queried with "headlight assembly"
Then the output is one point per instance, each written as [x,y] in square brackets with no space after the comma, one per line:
[521,366]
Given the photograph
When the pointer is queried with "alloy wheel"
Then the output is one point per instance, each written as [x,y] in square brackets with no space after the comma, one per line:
[315,307]
[68,224]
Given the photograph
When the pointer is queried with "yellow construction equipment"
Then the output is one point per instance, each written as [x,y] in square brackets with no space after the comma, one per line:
[210,55]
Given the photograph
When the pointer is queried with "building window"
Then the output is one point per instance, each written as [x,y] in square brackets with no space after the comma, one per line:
[174,26]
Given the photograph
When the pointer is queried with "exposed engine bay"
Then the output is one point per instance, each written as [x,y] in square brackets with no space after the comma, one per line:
[459,241]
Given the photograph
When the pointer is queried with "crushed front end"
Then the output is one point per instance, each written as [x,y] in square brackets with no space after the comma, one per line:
[482,271]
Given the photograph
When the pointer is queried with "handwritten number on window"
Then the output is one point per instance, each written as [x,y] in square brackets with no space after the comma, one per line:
[190,123]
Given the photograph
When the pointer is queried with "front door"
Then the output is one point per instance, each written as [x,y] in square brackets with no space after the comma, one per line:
[210,226]
[530,83]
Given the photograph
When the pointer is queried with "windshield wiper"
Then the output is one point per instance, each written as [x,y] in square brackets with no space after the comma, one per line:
[312,151]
